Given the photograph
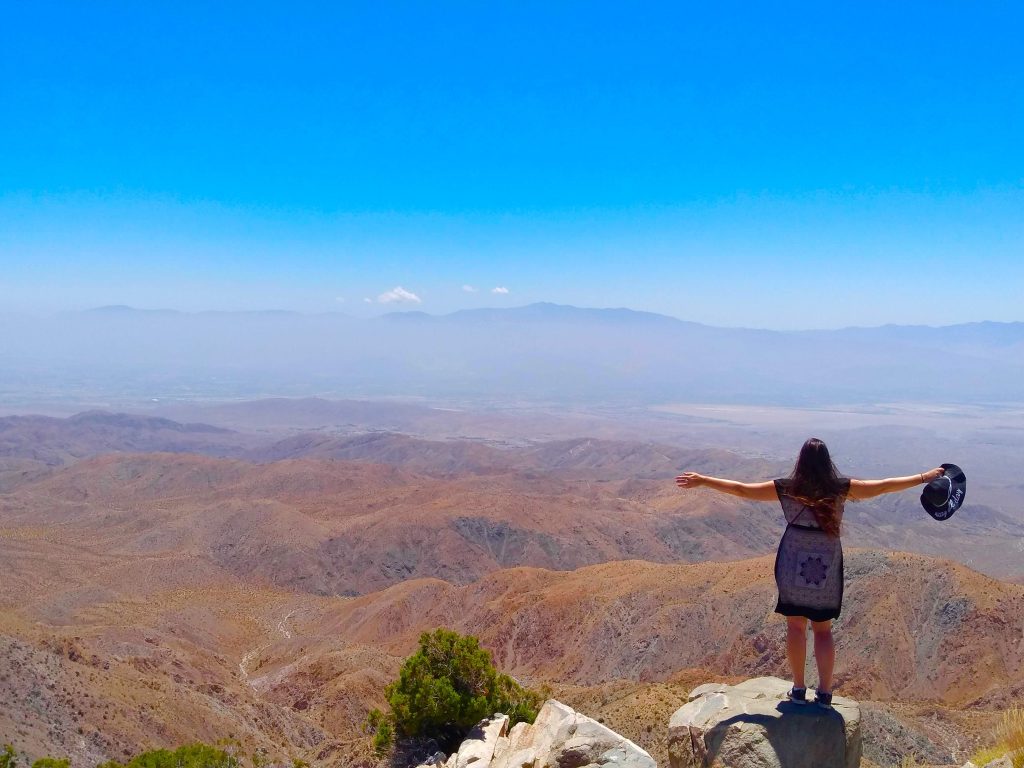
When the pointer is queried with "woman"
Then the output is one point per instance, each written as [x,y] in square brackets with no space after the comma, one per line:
[809,562]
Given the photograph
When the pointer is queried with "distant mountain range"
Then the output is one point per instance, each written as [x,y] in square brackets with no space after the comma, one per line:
[333,513]
[545,312]
[535,353]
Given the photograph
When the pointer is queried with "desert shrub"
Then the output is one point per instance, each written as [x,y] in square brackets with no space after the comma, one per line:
[1011,734]
[51,762]
[196,755]
[8,758]
[383,739]
[1007,738]
[379,726]
[445,688]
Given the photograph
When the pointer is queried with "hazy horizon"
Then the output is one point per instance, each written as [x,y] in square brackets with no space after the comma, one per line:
[540,353]
[270,310]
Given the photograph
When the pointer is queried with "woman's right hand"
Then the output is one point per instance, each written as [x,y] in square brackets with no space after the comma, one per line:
[932,474]
[689,480]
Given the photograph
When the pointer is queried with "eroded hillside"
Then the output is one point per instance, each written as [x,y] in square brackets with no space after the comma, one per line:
[268,592]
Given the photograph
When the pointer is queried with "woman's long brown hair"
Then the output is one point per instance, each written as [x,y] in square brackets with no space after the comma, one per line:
[816,482]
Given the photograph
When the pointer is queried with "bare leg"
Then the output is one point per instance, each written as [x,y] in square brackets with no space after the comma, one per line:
[796,648]
[824,654]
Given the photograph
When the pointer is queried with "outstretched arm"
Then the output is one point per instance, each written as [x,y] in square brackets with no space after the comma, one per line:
[752,491]
[867,489]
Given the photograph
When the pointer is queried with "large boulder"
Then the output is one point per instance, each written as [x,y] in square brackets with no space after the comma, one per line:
[560,737]
[754,725]
[477,749]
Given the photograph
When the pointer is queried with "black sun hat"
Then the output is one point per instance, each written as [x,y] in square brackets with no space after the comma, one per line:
[945,495]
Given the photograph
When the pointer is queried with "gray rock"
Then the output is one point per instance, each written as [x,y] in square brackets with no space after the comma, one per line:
[1000,762]
[516,752]
[561,737]
[754,725]
[477,748]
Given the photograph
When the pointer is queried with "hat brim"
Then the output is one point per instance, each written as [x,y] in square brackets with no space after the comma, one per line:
[957,494]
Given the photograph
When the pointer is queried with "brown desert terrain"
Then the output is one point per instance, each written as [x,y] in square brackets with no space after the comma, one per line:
[268,592]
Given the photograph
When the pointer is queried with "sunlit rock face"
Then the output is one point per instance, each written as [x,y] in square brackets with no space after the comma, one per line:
[754,725]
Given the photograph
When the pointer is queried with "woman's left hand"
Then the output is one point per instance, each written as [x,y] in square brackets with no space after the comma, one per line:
[690,480]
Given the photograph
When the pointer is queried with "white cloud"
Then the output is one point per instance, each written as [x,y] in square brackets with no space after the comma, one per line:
[499,289]
[368,300]
[469,289]
[399,294]
[340,299]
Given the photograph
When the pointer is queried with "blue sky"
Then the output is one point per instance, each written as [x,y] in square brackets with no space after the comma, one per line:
[791,165]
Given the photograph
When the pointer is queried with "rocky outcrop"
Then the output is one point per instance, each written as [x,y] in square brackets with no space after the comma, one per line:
[754,725]
[560,737]
[1000,762]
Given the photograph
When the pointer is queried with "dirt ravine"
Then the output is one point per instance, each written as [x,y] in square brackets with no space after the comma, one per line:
[254,653]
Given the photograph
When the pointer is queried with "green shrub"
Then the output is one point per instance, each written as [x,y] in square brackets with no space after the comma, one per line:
[379,726]
[448,686]
[189,756]
[383,739]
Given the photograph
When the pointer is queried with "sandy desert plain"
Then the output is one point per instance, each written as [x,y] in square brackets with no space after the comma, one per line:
[257,570]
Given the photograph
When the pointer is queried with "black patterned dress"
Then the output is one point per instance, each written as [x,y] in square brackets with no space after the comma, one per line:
[809,562]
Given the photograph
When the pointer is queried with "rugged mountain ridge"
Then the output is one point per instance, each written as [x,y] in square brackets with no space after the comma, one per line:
[913,627]
[329,526]
[626,641]
[192,596]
